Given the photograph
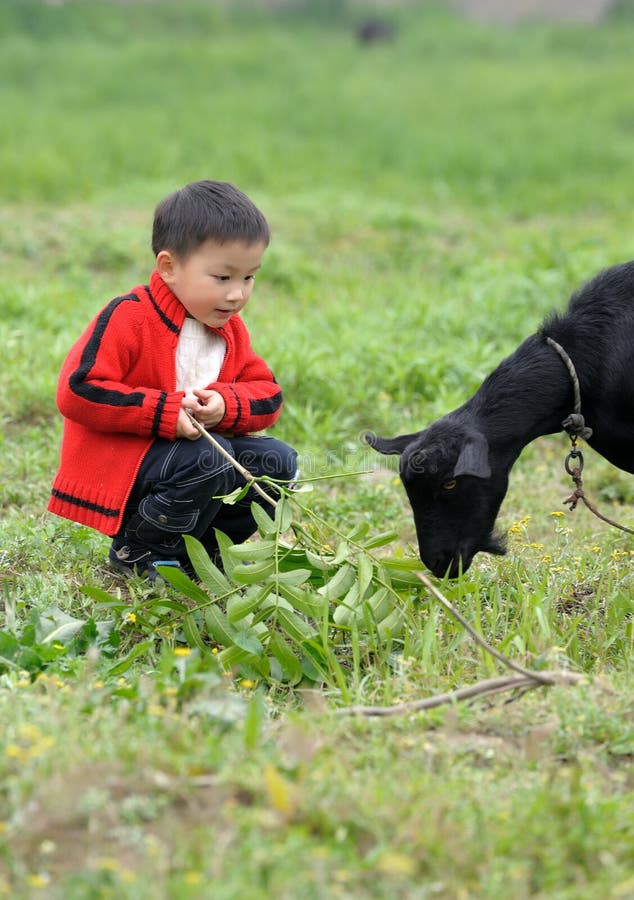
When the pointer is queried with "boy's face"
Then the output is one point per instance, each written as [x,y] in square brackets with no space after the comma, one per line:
[215,281]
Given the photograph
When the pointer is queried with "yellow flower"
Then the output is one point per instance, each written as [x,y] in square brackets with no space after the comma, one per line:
[14,751]
[214,651]
[557,514]
[182,651]
[247,683]
[193,878]
[130,617]
[39,880]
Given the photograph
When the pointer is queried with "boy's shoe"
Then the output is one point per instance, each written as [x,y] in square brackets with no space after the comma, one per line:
[140,562]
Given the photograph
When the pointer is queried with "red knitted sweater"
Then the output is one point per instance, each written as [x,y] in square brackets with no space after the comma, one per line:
[117,394]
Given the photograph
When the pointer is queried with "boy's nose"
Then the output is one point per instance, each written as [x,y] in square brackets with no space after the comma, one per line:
[236,293]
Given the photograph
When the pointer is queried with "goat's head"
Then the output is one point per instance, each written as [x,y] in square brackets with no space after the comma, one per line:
[454,494]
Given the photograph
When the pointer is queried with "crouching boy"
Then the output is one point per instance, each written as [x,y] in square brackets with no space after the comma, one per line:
[133,464]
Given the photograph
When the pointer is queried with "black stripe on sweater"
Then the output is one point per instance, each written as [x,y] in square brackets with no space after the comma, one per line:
[156,421]
[77,501]
[172,326]
[238,406]
[265,407]
[77,379]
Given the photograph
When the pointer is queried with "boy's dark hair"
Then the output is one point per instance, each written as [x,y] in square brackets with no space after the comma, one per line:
[206,210]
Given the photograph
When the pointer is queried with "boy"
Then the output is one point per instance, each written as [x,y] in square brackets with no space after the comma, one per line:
[133,464]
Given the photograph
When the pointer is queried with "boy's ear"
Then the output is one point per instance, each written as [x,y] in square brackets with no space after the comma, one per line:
[165,265]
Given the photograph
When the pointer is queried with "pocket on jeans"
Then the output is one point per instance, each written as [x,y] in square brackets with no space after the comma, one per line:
[161,521]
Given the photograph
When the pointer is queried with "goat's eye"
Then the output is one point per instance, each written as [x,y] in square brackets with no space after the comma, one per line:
[449,485]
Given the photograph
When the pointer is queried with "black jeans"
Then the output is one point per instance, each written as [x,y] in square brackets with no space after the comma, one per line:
[178,488]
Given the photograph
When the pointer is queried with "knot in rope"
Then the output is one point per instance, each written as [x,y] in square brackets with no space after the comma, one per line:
[575,426]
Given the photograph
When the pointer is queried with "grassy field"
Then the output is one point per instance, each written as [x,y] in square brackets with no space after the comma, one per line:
[431,199]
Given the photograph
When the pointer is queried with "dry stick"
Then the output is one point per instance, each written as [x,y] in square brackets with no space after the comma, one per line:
[248,477]
[524,679]
[481,688]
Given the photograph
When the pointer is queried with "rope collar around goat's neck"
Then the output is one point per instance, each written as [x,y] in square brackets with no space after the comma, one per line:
[574,424]
[576,427]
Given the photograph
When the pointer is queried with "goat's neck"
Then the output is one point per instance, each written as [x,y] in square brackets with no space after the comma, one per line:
[528,395]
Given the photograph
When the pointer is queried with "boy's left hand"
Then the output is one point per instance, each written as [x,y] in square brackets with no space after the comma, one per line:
[211,409]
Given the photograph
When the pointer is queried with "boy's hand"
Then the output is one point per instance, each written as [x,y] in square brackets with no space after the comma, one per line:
[211,409]
[185,428]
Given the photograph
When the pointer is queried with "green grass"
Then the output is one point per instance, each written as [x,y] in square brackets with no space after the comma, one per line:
[431,200]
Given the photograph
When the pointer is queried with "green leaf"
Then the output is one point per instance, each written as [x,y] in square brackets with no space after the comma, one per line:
[294,576]
[283,515]
[56,625]
[345,611]
[341,553]
[319,562]
[340,582]
[250,573]
[99,595]
[218,626]
[241,605]
[192,633]
[365,570]
[307,602]
[248,641]
[380,604]
[224,545]
[359,531]
[209,574]
[124,664]
[235,496]
[294,626]
[183,583]
[380,540]
[402,563]
[234,656]
[253,551]
[392,626]
[264,522]
[287,659]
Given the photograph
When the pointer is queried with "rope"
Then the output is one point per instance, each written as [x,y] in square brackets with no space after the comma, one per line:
[576,427]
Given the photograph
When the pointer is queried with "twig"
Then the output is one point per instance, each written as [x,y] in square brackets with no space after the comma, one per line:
[525,678]
[481,688]
[527,673]
[248,477]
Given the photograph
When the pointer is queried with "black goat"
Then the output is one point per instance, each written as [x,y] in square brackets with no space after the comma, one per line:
[456,471]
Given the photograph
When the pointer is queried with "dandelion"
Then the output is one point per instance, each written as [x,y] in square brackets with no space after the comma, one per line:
[14,751]
[182,651]
[38,880]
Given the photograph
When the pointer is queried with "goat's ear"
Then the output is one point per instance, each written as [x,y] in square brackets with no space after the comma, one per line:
[474,457]
[389,445]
